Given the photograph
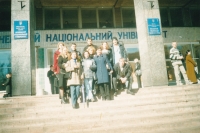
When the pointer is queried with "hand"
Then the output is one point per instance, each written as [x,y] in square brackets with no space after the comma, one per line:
[111,71]
[75,66]
[2,84]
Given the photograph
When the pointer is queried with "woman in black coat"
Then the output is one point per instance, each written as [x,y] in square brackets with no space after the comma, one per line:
[102,74]
[8,83]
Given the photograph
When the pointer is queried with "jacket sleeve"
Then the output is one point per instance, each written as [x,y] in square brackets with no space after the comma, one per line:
[189,58]
[116,67]
[108,62]
[60,62]
[55,62]
[7,81]
[129,69]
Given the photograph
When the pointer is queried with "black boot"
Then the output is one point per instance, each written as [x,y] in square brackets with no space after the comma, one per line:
[129,92]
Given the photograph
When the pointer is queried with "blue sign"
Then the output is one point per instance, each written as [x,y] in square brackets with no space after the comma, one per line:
[21,29]
[153,26]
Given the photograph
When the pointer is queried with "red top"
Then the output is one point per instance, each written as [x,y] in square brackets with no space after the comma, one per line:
[56,69]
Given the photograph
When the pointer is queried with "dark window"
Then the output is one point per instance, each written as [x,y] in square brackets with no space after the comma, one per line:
[176,17]
[164,17]
[195,16]
[52,19]
[70,18]
[128,18]
[5,15]
[89,18]
[105,18]
[39,18]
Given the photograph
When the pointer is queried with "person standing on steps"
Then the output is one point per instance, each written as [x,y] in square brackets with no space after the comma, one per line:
[62,81]
[190,65]
[8,85]
[51,76]
[103,74]
[176,59]
[74,66]
[56,68]
[138,72]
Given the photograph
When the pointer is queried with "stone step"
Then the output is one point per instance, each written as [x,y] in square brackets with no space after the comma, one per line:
[141,91]
[58,112]
[93,115]
[137,101]
[127,124]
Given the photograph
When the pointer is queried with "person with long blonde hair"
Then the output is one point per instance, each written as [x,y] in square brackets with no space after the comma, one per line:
[62,60]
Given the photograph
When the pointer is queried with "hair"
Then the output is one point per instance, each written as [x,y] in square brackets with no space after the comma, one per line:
[91,47]
[84,53]
[73,44]
[99,48]
[186,53]
[89,38]
[59,44]
[51,66]
[77,57]
[107,46]
[114,38]
[67,53]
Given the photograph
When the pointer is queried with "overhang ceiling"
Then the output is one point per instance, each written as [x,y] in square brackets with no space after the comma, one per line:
[110,3]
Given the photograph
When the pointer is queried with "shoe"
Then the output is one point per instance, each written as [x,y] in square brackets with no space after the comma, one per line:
[129,92]
[5,95]
[93,100]
[77,105]
[74,106]
[63,101]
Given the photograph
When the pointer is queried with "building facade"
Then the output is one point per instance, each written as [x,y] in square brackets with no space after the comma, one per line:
[28,52]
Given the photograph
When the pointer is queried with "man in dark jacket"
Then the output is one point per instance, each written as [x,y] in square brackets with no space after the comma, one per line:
[51,76]
[89,43]
[73,49]
[123,77]
[118,51]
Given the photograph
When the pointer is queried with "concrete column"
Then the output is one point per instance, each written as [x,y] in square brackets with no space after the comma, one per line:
[23,50]
[151,47]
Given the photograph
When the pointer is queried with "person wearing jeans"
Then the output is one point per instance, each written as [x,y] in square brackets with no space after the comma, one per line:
[74,66]
[88,75]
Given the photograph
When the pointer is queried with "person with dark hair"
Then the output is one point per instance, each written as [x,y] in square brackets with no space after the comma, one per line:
[176,60]
[123,76]
[73,49]
[8,85]
[190,64]
[89,43]
[102,74]
[51,76]
[118,51]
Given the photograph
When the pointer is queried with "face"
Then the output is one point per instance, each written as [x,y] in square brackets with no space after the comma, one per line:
[115,42]
[104,45]
[90,51]
[73,55]
[121,62]
[189,53]
[99,52]
[89,42]
[135,60]
[60,46]
[51,68]
[174,44]
[73,47]
[86,55]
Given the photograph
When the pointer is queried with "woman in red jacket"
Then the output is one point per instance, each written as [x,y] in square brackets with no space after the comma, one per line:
[55,61]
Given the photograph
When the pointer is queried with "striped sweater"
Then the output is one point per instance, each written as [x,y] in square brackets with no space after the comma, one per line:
[175,55]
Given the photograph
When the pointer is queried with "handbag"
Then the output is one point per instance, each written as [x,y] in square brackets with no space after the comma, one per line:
[138,72]
[66,75]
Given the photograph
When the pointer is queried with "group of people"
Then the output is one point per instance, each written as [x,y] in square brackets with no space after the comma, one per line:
[177,60]
[105,67]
